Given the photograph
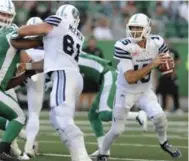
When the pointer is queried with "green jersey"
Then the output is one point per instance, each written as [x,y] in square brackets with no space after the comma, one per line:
[93,67]
[8,56]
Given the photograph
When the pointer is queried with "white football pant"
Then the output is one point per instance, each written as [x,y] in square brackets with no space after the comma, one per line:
[35,93]
[123,102]
[66,89]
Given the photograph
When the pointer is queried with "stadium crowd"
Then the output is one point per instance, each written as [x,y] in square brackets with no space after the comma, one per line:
[109,17]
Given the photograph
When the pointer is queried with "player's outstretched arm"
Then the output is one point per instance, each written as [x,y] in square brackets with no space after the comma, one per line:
[32,30]
[133,76]
[15,81]
[25,43]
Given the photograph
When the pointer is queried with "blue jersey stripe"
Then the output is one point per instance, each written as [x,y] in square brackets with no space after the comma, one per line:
[52,20]
[124,54]
[162,46]
[122,57]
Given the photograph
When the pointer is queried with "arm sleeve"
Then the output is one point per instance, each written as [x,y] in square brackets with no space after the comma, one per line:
[53,20]
[162,47]
[121,52]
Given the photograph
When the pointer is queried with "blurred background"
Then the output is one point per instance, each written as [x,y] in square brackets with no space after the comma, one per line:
[104,22]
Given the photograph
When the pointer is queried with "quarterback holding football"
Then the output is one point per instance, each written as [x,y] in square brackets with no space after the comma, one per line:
[138,54]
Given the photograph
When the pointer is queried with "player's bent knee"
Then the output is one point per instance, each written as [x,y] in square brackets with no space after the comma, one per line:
[70,132]
[105,116]
[92,115]
[117,131]
[160,122]
[65,126]
[118,128]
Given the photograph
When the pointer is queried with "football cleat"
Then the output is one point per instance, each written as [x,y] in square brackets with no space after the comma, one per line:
[7,157]
[24,156]
[142,119]
[102,157]
[96,153]
[174,152]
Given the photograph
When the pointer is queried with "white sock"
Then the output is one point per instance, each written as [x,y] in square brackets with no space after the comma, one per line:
[108,140]
[29,145]
[77,149]
[132,115]
[118,127]
[32,129]
[160,124]
[162,137]
[100,141]
[73,138]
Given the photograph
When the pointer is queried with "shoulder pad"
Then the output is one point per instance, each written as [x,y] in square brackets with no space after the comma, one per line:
[53,20]
[121,50]
[159,41]
[125,41]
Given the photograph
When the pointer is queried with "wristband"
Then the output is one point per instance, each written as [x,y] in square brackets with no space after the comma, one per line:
[28,66]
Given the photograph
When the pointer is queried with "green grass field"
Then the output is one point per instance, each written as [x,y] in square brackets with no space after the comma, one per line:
[133,145]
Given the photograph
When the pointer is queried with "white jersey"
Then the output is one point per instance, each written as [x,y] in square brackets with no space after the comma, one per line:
[36,54]
[133,57]
[62,46]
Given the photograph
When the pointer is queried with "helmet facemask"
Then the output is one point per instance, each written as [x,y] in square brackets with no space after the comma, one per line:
[7,13]
[138,33]
[6,19]
[76,16]
[138,27]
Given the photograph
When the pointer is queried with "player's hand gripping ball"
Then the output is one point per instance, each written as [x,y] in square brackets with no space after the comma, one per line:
[20,69]
[167,66]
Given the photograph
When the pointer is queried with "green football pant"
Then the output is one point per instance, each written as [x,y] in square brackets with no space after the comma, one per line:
[10,110]
[101,109]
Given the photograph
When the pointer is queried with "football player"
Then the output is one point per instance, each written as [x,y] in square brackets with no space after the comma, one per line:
[62,45]
[100,71]
[9,57]
[35,92]
[138,55]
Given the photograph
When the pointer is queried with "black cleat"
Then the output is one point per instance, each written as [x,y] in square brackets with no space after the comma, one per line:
[174,152]
[102,157]
[7,157]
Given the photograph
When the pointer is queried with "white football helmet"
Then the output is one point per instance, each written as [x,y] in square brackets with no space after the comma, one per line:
[7,13]
[138,20]
[34,21]
[69,14]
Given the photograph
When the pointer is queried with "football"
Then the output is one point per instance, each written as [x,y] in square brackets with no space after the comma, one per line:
[167,66]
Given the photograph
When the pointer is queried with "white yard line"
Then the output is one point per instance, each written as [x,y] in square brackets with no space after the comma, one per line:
[139,145]
[129,122]
[117,144]
[84,113]
[130,128]
[177,137]
[111,158]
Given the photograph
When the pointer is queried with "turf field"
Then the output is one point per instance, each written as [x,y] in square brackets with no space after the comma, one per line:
[134,145]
